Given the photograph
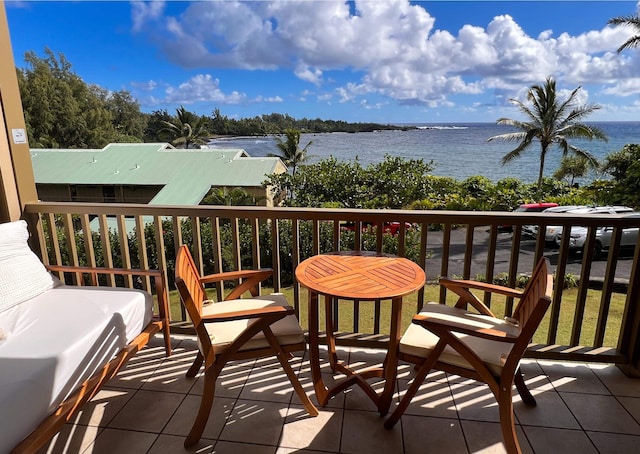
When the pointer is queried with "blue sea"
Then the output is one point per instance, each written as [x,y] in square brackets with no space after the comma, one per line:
[457,150]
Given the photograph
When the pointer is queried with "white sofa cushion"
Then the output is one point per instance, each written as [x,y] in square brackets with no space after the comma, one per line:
[22,275]
[58,340]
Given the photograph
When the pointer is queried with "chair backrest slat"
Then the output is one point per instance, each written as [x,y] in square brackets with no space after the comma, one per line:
[188,282]
[535,301]
[540,285]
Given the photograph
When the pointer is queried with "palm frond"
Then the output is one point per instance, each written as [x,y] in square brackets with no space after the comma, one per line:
[509,137]
[631,43]
[516,152]
[630,21]
[583,131]
[625,20]
[591,159]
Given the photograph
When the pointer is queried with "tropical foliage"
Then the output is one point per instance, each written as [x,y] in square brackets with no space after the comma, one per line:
[62,111]
[398,183]
[572,167]
[551,122]
[186,130]
[290,152]
[393,183]
[276,123]
[628,21]
[624,186]
[230,197]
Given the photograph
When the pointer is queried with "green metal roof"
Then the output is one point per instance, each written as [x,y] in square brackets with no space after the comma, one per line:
[186,174]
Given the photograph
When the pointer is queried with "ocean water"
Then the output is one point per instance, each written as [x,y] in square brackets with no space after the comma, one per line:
[457,150]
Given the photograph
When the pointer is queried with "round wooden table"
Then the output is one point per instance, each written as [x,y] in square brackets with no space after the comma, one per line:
[361,276]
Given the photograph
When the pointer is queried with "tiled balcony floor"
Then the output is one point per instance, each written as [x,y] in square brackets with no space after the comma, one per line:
[150,406]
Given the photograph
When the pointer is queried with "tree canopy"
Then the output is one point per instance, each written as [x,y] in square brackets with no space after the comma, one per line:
[393,183]
[185,130]
[62,111]
[550,122]
[230,197]
[624,186]
[290,152]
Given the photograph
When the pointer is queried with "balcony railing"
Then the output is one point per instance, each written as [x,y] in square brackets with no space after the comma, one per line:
[469,245]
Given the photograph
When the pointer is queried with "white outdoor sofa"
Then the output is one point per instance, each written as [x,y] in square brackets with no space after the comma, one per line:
[60,343]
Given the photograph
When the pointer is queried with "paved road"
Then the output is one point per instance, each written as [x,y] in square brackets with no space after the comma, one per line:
[503,252]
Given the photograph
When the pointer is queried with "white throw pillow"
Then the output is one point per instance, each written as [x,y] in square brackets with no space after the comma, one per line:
[22,275]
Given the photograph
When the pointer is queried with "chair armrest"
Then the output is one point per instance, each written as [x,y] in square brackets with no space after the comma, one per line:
[439,326]
[463,288]
[250,280]
[452,284]
[279,311]
[233,275]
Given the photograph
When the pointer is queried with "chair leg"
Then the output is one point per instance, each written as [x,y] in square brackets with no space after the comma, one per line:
[197,364]
[421,374]
[283,358]
[297,387]
[524,392]
[507,420]
[206,403]
[167,338]
[406,400]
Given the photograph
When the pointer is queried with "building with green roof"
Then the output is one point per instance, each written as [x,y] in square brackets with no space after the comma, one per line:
[153,173]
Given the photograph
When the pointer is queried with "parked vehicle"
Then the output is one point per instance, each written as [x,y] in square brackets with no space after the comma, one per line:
[529,207]
[603,238]
[551,232]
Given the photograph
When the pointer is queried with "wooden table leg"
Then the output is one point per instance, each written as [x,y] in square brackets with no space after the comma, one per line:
[391,360]
[331,340]
[314,351]
[323,393]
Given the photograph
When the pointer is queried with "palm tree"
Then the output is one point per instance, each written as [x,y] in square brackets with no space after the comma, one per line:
[551,122]
[290,151]
[572,167]
[631,21]
[186,129]
[230,197]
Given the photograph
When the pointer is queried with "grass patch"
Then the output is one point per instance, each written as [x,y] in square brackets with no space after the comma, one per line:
[410,306]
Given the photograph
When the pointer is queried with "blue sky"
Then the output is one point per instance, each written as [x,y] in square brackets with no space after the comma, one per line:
[385,61]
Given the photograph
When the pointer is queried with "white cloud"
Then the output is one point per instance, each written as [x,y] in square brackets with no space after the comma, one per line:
[304,72]
[392,45]
[199,88]
[202,88]
[143,12]
[268,99]
[627,87]
[145,86]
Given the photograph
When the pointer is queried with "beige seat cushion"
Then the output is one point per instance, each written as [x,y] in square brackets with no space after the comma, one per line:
[418,341]
[287,330]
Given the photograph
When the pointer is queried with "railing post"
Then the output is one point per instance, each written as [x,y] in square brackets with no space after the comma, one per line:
[629,343]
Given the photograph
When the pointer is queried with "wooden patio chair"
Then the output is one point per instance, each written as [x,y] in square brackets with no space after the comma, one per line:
[236,329]
[477,344]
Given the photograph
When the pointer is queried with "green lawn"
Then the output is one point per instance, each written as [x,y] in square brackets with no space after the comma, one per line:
[497,306]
